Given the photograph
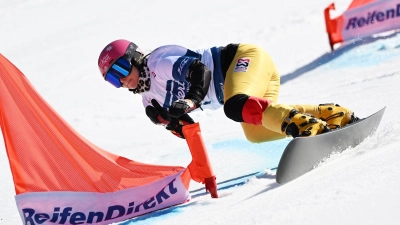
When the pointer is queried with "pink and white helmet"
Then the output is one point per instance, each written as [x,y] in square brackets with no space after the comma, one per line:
[119,49]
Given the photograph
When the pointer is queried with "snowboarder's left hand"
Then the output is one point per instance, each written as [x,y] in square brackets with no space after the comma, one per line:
[176,125]
[181,107]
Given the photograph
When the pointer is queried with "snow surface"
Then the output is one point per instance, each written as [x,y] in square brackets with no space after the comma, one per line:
[56,45]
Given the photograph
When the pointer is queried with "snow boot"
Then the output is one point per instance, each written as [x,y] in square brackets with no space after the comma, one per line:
[335,115]
[285,119]
[302,125]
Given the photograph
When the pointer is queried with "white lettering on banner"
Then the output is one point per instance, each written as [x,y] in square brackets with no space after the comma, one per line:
[370,19]
[378,16]
[67,214]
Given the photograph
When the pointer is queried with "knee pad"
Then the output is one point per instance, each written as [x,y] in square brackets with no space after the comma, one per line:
[233,107]
[244,108]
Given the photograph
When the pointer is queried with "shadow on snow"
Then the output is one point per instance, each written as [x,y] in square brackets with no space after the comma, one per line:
[328,57]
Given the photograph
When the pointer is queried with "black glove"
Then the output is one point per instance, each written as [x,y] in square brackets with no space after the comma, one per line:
[176,125]
[160,116]
[157,114]
[181,107]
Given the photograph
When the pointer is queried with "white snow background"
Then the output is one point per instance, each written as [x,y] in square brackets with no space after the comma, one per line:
[56,43]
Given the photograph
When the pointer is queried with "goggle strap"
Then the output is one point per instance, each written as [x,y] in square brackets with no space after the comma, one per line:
[131,54]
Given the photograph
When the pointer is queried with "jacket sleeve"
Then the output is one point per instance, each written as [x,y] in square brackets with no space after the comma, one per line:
[199,77]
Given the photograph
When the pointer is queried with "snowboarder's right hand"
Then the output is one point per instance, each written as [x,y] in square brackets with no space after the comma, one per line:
[160,116]
[157,114]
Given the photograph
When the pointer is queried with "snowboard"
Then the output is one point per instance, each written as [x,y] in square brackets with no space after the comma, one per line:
[302,154]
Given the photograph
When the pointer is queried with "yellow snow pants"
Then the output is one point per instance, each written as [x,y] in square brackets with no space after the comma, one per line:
[260,79]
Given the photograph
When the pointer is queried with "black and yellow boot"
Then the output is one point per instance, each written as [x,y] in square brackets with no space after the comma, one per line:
[302,125]
[286,120]
[335,115]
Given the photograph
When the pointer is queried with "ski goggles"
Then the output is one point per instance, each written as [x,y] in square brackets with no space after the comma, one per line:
[120,69]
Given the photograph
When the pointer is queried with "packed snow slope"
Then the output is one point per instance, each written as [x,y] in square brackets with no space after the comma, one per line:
[56,45]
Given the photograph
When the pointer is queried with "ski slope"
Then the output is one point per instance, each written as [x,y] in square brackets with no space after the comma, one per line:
[56,45]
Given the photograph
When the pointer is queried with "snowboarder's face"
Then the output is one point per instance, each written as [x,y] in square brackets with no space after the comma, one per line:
[130,81]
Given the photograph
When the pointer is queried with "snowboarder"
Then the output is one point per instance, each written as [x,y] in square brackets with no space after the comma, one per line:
[174,81]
